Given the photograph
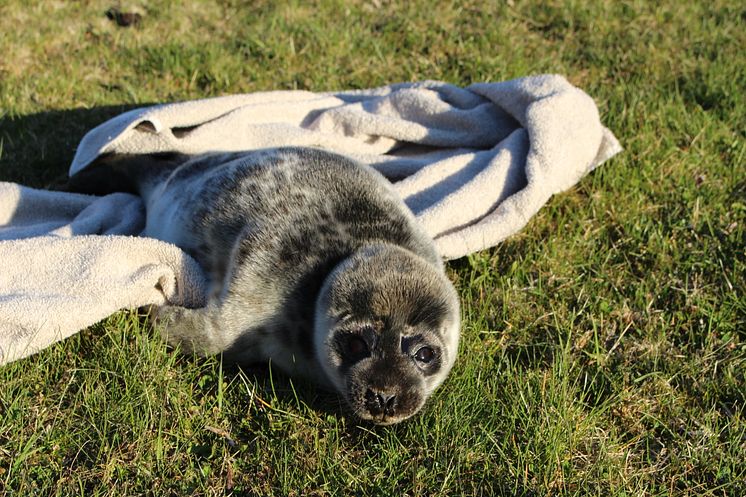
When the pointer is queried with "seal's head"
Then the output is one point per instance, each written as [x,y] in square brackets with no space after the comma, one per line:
[386,331]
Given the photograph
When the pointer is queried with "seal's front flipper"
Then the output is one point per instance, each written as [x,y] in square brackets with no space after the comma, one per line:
[193,330]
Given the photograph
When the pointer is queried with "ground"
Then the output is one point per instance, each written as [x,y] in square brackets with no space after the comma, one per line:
[604,346]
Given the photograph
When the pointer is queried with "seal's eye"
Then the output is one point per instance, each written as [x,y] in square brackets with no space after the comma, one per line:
[356,346]
[425,354]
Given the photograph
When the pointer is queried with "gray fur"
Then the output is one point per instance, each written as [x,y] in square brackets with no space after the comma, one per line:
[315,264]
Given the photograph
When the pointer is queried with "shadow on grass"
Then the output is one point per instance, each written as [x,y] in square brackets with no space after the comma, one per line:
[37,149]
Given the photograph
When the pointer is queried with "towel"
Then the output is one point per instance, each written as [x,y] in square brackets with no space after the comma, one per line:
[474,164]
[66,263]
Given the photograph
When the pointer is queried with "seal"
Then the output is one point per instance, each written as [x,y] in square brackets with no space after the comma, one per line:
[315,265]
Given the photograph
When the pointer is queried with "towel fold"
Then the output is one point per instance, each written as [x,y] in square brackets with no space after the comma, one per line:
[66,263]
[473,164]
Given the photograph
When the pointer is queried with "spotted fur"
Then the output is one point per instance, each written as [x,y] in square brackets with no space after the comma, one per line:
[315,264]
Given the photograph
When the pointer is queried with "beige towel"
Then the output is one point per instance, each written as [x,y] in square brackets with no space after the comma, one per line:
[474,164]
[62,269]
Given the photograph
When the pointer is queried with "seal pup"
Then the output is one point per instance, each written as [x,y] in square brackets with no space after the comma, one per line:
[315,265]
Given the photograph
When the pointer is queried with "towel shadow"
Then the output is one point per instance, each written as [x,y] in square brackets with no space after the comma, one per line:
[37,149]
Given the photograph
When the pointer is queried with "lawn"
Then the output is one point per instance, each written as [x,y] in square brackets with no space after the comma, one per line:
[604,346]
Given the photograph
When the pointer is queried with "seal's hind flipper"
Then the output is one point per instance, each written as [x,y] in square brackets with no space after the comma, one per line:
[129,173]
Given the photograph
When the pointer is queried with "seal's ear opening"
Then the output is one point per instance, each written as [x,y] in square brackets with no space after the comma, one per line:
[111,173]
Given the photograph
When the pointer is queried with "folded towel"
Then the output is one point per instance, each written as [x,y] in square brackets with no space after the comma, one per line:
[473,164]
[57,278]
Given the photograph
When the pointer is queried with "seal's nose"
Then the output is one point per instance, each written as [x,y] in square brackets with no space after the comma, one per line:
[379,403]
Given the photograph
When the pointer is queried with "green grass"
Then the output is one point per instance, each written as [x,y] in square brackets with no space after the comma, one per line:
[604,346]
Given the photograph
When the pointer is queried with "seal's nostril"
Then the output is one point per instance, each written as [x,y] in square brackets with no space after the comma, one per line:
[380,402]
[390,405]
[374,402]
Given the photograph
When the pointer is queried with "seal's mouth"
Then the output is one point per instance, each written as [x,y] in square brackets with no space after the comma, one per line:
[386,421]
[381,419]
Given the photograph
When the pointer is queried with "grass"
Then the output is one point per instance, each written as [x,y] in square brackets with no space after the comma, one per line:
[604,346]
